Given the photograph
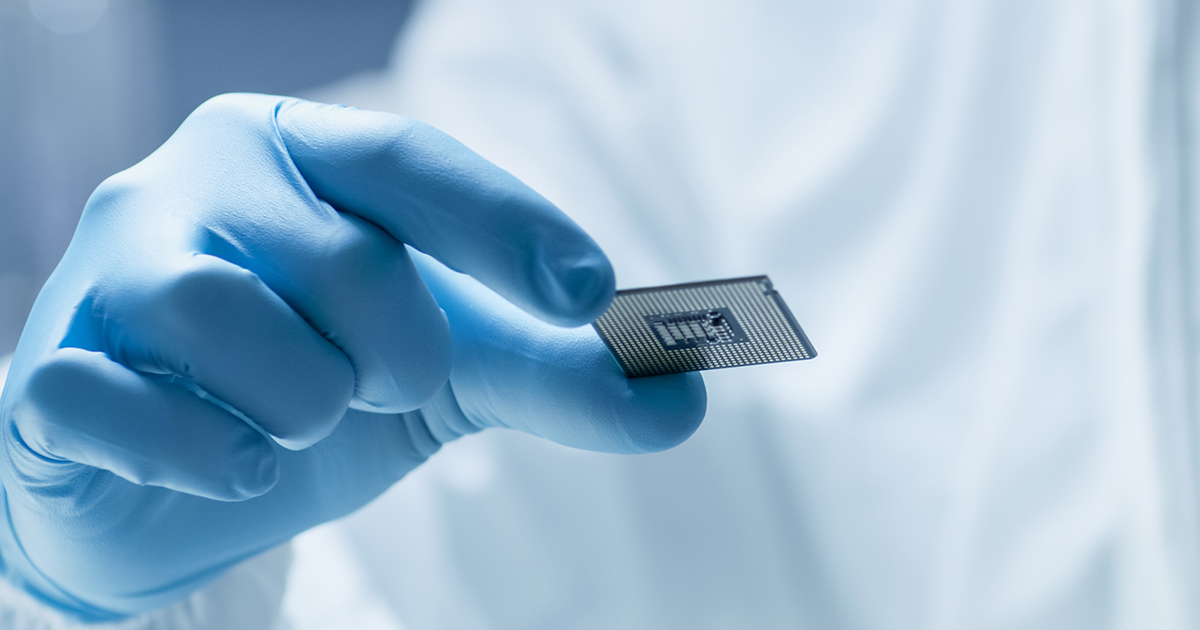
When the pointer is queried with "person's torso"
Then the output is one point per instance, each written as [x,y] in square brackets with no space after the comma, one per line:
[955,198]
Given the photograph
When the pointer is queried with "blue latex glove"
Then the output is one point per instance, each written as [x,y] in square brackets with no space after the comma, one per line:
[251,278]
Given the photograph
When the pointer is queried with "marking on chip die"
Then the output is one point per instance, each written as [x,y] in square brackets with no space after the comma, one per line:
[701,326]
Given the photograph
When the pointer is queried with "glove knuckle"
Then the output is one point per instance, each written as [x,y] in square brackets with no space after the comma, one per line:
[41,415]
[113,191]
[203,283]
[236,106]
[355,249]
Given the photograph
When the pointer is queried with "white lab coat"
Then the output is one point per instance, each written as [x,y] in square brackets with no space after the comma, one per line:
[971,206]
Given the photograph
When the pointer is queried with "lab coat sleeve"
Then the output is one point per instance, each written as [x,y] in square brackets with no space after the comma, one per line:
[247,597]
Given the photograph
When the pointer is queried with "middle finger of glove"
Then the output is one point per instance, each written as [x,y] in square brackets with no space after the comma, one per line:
[349,279]
[219,329]
[358,288]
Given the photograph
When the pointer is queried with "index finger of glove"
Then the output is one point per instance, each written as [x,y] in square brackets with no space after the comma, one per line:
[431,192]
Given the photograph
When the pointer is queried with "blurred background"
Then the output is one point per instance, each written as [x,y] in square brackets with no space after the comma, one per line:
[90,87]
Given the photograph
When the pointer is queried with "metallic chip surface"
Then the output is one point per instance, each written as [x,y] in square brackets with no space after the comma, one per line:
[701,326]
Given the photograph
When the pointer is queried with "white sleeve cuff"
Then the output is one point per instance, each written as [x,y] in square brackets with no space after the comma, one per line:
[247,597]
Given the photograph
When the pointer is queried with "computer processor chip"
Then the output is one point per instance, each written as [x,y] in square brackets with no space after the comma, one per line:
[701,326]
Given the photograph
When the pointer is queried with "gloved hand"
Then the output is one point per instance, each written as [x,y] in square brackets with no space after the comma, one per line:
[237,346]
